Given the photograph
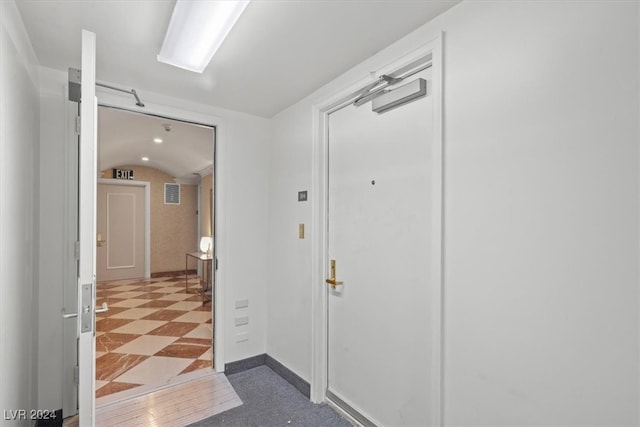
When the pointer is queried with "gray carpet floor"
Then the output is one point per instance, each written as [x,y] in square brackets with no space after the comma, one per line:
[270,401]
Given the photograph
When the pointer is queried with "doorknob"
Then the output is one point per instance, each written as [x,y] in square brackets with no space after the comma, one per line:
[103,309]
[99,241]
[332,280]
[66,315]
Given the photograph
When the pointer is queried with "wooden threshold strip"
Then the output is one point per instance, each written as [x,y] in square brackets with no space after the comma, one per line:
[178,405]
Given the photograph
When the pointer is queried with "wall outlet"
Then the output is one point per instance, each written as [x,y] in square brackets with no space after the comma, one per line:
[244,336]
[244,320]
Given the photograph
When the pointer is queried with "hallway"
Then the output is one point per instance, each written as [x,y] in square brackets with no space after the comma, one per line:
[536,165]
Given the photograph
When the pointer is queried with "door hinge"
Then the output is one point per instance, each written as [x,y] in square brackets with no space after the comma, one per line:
[76,375]
[77,125]
[75,84]
[76,249]
[216,263]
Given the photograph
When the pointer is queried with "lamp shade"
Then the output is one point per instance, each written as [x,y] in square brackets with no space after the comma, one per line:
[206,243]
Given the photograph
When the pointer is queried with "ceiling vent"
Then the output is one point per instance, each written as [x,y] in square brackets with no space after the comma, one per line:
[171,194]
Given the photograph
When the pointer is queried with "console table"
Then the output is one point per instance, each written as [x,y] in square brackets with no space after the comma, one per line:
[204,259]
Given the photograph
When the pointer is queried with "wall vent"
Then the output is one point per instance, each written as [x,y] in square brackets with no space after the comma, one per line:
[171,194]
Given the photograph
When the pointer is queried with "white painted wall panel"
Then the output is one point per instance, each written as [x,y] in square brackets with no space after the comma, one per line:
[289,282]
[541,206]
[19,209]
[247,230]
[52,244]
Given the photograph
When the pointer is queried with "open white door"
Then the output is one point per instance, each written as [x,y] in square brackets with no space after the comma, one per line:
[87,233]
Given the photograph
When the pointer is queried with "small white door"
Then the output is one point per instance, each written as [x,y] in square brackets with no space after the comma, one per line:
[120,238]
[379,358]
[87,232]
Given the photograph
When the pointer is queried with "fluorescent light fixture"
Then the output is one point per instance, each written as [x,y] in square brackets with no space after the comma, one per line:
[144,159]
[157,140]
[196,31]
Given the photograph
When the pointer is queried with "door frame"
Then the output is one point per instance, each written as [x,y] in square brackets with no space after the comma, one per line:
[319,221]
[219,156]
[147,216]
[70,264]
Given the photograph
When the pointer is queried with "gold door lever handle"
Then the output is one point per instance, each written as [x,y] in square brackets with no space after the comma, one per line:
[332,280]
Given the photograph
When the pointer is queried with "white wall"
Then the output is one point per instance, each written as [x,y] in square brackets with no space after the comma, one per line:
[53,242]
[244,219]
[541,213]
[19,157]
[289,283]
[542,280]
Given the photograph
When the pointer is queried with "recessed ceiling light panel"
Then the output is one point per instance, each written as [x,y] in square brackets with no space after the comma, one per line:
[144,159]
[196,31]
[157,140]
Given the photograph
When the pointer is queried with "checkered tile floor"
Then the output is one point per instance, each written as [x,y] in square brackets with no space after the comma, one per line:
[154,331]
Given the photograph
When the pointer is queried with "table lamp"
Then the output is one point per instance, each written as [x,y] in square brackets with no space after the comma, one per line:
[206,243]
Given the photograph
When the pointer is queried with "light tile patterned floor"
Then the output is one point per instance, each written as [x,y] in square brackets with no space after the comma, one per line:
[191,398]
[153,332]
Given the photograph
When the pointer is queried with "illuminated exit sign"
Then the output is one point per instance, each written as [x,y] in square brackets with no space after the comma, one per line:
[122,174]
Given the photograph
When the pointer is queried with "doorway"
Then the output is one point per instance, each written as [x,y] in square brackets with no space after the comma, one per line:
[159,327]
[199,120]
[378,181]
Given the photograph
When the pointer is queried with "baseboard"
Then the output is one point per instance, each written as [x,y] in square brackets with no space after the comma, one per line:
[264,359]
[291,377]
[173,273]
[244,364]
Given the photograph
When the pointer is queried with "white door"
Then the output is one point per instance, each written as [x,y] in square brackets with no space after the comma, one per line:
[379,334]
[120,238]
[87,232]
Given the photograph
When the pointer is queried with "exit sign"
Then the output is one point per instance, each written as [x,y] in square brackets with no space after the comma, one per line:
[122,174]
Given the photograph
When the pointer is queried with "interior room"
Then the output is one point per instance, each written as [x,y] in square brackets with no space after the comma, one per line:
[159,322]
[426,213]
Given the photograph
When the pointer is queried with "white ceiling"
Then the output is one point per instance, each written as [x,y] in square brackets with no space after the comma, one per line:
[278,52]
[125,137]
